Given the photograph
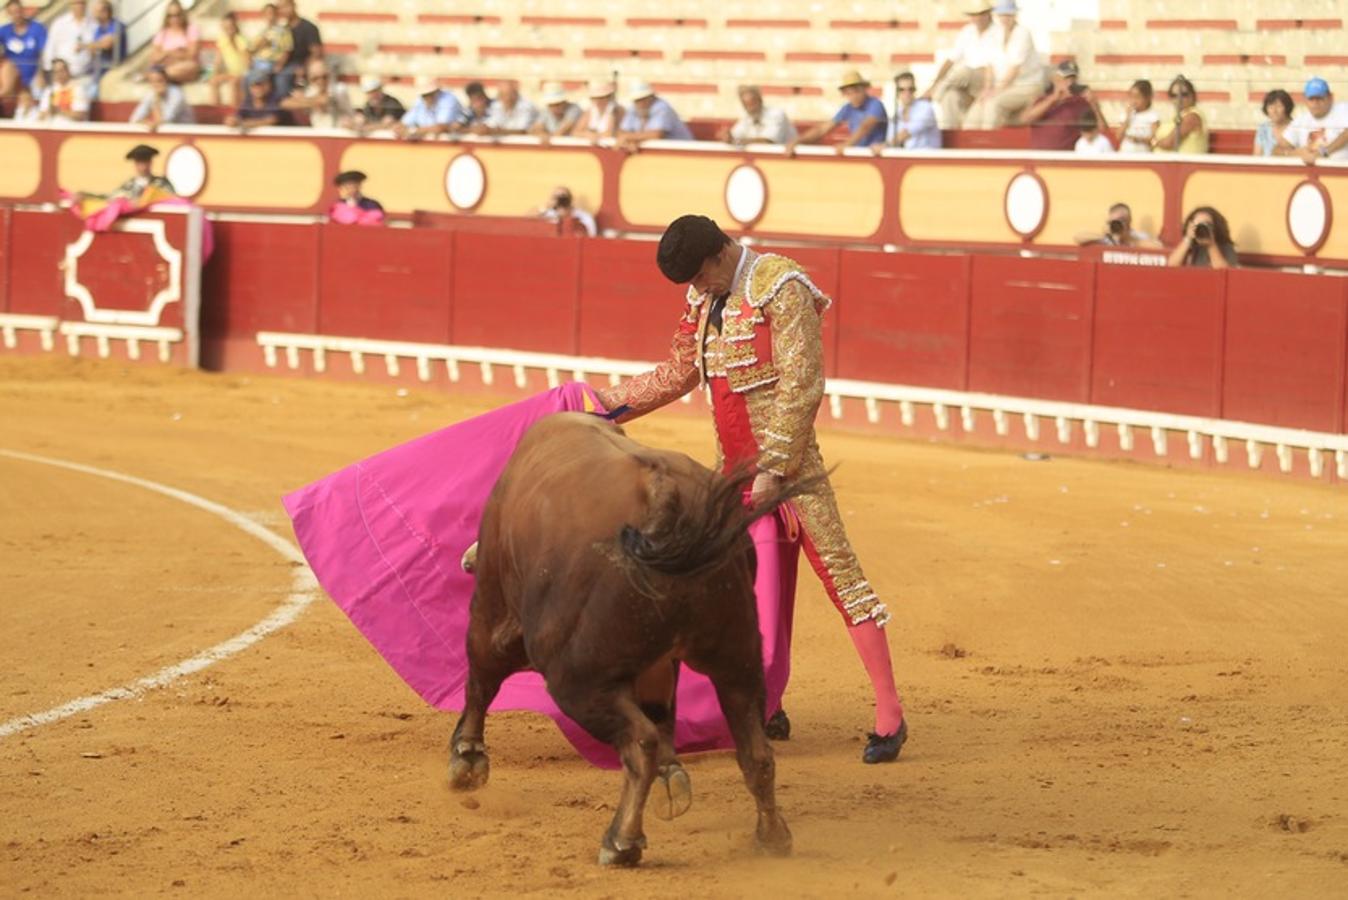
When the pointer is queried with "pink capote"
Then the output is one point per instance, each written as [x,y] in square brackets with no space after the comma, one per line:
[385,537]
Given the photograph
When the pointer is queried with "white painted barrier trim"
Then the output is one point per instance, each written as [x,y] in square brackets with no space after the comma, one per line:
[1030,410]
[304,588]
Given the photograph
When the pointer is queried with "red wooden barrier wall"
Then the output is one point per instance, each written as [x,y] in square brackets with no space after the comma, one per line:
[396,284]
[5,256]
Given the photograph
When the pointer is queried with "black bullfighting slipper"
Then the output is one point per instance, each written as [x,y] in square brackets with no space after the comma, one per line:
[778,727]
[883,748]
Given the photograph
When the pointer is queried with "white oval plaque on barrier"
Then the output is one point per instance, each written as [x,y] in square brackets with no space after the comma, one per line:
[1026,204]
[465,181]
[1308,215]
[185,169]
[746,194]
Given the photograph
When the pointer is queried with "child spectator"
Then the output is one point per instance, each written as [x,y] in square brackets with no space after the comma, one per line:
[1092,140]
[25,106]
[165,104]
[1139,126]
[177,47]
[64,100]
[232,60]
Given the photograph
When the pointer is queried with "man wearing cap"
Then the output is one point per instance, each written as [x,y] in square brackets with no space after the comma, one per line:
[436,112]
[509,113]
[760,124]
[1018,73]
[381,110]
[863,115]
[604,114]
[353,207]
[964,72]
[559,116]
[1055,118]
[261,108]
[650,119]
[750,331]
[1320,131]
[144,187]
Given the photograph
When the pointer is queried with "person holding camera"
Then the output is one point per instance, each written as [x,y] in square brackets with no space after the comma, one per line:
[1119,231]
[1056,116]
[572,219]
[1207,242]
[1187,131]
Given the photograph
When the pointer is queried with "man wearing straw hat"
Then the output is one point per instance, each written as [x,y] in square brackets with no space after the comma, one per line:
[1018,73]
[863,115]
[559,115]
[650,119]
[964,73]
[604,114]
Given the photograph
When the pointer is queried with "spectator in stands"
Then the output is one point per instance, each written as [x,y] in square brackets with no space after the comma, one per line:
[650,119]
[1187,128]
[760,124]
[1018,73]
[109,44]
[177,47]
[25,106]
[164,104]
[1207,242]
[70,38]
[562,209]
[1056,116]
[306,45]
[1321,130]
[232,60]
[559,116]
[1139,126]
[352,206]
[262,106]
[381,110]
[326,99]
[509,114]
[604,115]
[1119,231]
[435,113]
[963,75]
[271,48]
[1271,138]
[23,40]
[64,99]
[863,115]
[913,125]
[1093,141]
[479,106]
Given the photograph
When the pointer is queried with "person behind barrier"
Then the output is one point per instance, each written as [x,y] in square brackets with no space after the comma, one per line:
[381,110]
[651,118]
[1186,127]
[750,330]
[562,209]
[177,47]
[163,104]
[70,38]
[913,125]
[509,113]
[559,115]
[22,39]
[26,109]
[478,108]
[271,48]
[1018,74]
[306,45]
[863,115]
[352,206]
[1055,118]
[603,116]
[261,108]
[760,124]
[1140,124]
[1207,242]
[965,71]
[1118,231]
[1320,131]
[1272,137]
[1093,141]
[324,97]
[232,61]
[436,112]
[108,47]
[144,186]
[64,99]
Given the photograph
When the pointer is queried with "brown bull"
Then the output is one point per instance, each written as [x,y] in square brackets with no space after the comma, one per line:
[603,564]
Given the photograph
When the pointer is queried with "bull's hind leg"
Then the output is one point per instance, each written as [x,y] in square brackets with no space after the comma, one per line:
[491,661]
[741,696]
[657,690]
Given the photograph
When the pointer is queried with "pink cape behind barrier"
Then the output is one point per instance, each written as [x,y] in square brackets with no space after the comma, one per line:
[385,537]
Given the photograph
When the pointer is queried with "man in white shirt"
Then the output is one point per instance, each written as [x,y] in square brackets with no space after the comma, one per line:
[326,98]
[1320,131]
[68,38]
[760,124]
[509,113]
[1018,73]
[964,73]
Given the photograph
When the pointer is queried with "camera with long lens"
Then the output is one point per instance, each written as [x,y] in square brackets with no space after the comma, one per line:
[1116,227]
[1203,231]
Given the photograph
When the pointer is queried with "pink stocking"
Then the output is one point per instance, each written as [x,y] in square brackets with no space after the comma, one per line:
[873,648]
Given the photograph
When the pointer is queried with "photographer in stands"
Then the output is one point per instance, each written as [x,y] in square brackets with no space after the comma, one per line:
[572,219]
[1207,242]
[1119,231]
[1056,116]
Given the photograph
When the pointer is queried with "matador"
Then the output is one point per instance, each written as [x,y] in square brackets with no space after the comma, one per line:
[750,332]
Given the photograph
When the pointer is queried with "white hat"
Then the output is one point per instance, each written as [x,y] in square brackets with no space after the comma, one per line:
[370,83]
[601,88]
[642,89]
[425,84]
[553,92]
[1005,8]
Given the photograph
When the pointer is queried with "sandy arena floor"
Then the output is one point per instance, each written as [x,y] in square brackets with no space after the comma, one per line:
[1121,680]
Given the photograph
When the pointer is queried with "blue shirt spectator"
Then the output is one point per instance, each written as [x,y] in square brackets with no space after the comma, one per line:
[23,40]
[652,118]
[435,110]
[110,39]
[913,125]
[853,116]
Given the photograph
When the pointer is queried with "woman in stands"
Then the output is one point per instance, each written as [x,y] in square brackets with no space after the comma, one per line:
[1185,131]
[177,47]
[1207,242]
[1271,137]
[602,118]
[231,61]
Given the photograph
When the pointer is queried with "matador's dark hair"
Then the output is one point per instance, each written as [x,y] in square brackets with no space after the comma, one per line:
[688,242]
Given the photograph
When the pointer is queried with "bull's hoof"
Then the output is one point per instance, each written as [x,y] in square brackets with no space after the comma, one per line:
[672,793]
[773,837]
[610,854]
[469,766]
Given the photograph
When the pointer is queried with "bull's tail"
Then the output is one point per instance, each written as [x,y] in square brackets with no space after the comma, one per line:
[694,526]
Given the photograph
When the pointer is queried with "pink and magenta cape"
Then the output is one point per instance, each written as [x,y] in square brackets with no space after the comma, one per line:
[385,537]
